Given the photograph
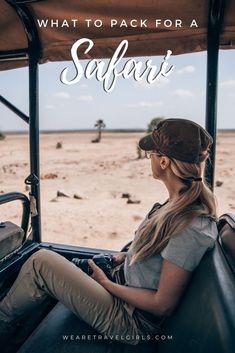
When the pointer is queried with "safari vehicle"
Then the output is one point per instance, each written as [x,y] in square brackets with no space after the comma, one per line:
[204,321]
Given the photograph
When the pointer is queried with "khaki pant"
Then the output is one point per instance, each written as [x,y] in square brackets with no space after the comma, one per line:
[47,273]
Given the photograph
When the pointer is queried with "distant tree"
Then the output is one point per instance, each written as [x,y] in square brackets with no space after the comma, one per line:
[153,123]
[99,125]
[2,136]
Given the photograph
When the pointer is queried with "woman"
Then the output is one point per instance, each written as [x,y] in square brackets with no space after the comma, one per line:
[167,247]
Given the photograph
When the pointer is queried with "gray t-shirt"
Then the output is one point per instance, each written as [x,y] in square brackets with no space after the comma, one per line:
[184,250]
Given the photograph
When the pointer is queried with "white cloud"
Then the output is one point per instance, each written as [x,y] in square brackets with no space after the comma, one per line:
[161,82]
[183,93]
[186,70]
[63,95]
[228,83]
[85,98]
[50,106]
[144,104]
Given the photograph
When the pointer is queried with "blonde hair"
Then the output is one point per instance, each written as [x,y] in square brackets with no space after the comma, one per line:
[195,199]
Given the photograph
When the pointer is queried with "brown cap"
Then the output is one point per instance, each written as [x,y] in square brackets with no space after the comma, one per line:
[178,138]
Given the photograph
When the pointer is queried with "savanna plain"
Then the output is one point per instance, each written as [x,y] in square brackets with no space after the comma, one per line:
[96,194]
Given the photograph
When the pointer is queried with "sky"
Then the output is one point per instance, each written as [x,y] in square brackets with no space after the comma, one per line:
[131,104]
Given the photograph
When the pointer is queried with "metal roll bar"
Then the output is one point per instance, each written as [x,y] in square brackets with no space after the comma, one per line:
[215,19]
[33,53]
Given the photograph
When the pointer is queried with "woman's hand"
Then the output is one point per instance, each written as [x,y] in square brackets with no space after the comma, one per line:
[98,275]
[118,258]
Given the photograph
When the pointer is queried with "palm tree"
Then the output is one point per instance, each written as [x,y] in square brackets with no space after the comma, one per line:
[99,125]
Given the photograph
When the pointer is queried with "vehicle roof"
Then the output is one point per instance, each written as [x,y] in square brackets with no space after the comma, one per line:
[56,42]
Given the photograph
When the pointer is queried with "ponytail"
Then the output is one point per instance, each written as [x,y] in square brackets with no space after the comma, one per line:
[194,199]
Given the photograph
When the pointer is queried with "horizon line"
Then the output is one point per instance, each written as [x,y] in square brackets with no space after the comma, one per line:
[12,132]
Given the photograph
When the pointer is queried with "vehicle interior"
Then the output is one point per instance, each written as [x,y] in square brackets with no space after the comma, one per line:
[204,321]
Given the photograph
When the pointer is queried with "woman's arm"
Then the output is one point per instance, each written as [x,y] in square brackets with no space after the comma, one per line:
[173,280]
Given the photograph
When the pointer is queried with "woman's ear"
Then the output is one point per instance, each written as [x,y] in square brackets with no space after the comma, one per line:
[164,162]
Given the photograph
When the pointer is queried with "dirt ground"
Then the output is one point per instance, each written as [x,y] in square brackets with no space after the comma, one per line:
[98,174]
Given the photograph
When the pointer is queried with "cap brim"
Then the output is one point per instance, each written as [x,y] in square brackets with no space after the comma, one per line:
[147,143]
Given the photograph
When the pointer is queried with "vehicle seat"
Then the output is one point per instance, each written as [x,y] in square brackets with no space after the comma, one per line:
[227,238]
[61,331]
[203,322]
